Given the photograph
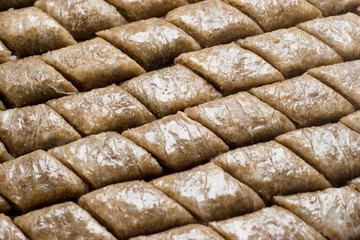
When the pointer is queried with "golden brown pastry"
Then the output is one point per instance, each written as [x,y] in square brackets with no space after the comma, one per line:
[103,109]
[171,89]
[4,207]
[334,212]
[333,149]
[188,232]
[4,155]
[5,53]
[335,7]
[271,169]
[26,129]
[8,230]
[305,100]
[352,121]
[31,81]
[177,142]
[153,43]
[134,208]
[241,119]
[209,193]
[66,221]
[292,51]
[93,64]
[339,32]
[343,77]
[82,18]
[355,183]
[107,158]
[268,223]
[275,14]
[230,68]
[141,9]
[38,179]
[213,22]
[30,31]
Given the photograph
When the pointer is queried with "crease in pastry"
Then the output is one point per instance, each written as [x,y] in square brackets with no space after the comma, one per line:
[5,53]
[6,4]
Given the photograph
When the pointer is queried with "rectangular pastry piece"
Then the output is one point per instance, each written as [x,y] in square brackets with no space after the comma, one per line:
[213,22]
[103,109]
[339,32]
[177,141]
[335,7]
[334,212]
[188,232]
[134,208]
[305,100]
[268,223]
[343,77]
[92,64]
[275,14]
[333,149]
[230,68]
[4,155]
[209,193]
[271,169]
[26,129]
[153,43]
[135,10]
[241,119]
[8,230]
[31,81]
[30,31]
[65,221]
[4,207]
[38,179]
[352,121]
[171,89]
[355,183]
[82,18]
[107,158]
[5,53]
[292,51]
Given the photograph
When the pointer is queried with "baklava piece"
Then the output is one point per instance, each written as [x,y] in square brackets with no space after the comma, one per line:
[31,81]
[230,68]
[275,14]
[30,31]
[355,183]
[269,223]
[5,53]
[177,141]
[271,169]
[26,129]
[305,100]
[134,208]
[5,4]
[292,51]
[171,89]
[339,32]
[4,155]
[333,149]
[135,10]
[334,212]
[82,18]
[209,193]
[8,230]
[66,221]
[241,119]
[343,77]
[103,109]
[189,232]
[107,158]
[4,207]
[335,7]
[153,43]
[213,22]
[92,64]
[352,121]
[38,179]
